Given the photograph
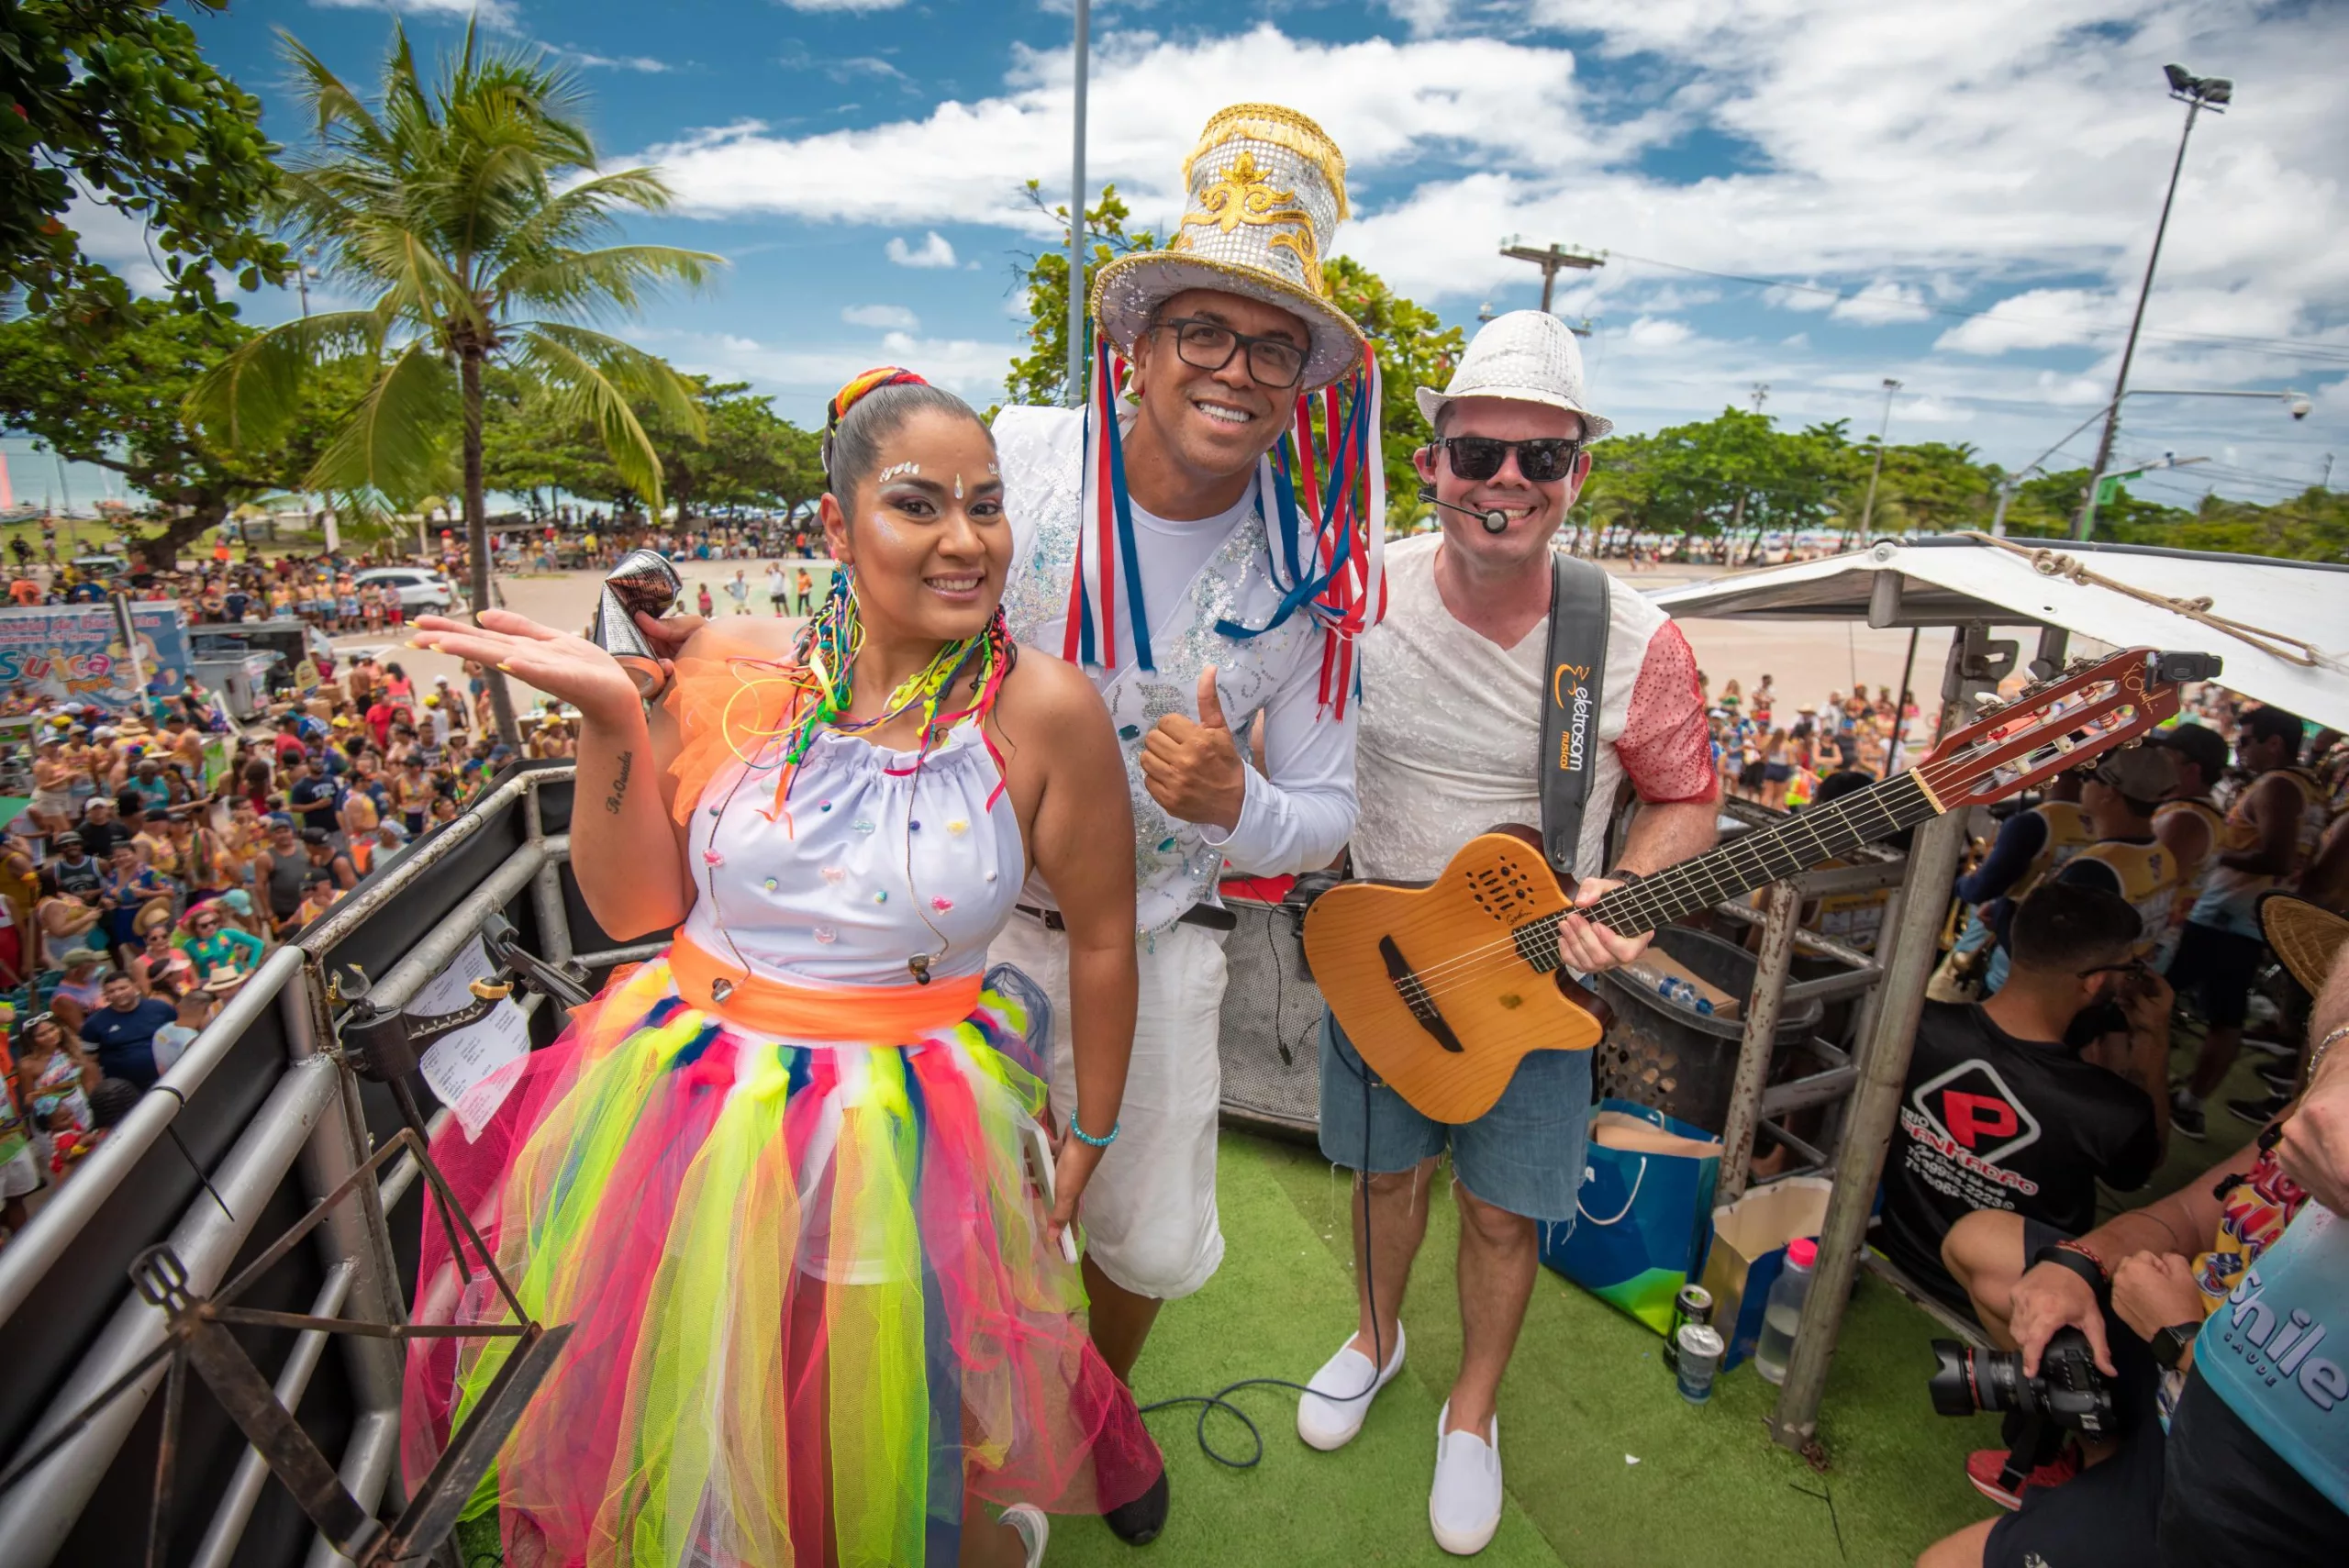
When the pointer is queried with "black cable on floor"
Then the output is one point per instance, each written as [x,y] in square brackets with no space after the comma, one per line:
[1220,1399]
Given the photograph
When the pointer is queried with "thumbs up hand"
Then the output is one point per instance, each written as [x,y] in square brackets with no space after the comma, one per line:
[1192,767]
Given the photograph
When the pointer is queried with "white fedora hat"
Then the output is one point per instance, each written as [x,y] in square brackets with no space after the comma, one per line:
[1267,189]
[1527,356]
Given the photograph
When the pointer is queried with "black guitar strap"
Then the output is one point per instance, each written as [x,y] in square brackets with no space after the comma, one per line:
[1578,622]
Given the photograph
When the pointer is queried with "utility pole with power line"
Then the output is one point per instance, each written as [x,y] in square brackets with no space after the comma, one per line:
[2197,93]
[1552,260]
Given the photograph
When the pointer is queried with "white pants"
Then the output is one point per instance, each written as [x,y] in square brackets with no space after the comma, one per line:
[1149,1212]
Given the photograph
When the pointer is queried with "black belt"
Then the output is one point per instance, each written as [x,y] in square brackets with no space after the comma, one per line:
[1212,916]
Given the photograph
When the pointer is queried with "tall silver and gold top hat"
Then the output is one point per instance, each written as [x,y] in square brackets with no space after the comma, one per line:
[1266,190]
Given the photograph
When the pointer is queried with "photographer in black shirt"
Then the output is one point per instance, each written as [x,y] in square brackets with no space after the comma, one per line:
[2023,1103]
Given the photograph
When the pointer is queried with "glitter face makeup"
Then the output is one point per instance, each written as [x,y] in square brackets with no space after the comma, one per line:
[958,487]
[896,471]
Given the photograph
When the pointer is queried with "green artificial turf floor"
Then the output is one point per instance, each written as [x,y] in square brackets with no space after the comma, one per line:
[1604,1462]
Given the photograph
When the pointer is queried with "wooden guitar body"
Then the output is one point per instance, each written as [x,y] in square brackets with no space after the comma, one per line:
[1436,986]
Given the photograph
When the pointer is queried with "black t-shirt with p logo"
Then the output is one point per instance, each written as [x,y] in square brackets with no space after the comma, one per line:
[1990,1121]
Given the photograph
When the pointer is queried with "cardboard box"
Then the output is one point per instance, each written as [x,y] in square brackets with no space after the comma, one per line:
[1750,1238]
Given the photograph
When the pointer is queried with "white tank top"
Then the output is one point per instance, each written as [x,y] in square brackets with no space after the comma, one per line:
[877,859]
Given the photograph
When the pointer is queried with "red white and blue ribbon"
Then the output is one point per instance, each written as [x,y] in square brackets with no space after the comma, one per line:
[1325,536]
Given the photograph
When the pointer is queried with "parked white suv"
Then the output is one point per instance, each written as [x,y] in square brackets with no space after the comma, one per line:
[418,587]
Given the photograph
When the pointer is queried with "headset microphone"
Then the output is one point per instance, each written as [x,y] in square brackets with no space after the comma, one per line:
[1495,521]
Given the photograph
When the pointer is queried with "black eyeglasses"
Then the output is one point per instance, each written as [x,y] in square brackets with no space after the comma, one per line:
[1209,345]
[1542,462]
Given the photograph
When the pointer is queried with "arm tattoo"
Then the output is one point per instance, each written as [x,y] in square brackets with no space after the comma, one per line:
[619,784]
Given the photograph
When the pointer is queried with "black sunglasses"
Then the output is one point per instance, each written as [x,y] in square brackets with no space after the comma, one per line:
[1209,345]
[1542,462]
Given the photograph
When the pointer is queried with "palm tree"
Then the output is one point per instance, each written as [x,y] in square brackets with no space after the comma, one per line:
[465,209]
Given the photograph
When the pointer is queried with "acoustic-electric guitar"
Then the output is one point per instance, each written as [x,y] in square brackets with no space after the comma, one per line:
[1444,989]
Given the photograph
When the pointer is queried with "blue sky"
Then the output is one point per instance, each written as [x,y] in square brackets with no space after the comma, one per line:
[859,162]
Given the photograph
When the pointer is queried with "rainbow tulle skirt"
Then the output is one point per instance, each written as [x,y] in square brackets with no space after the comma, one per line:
[816,1315]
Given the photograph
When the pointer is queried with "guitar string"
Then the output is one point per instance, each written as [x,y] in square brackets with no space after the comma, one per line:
[1740,860]
[1947,779]
[1955,775]
[1678,897]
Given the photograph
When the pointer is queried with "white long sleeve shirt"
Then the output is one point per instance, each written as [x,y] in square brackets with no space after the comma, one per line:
[1297,813]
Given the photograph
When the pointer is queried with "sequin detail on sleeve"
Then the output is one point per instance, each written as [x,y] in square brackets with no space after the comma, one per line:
[1663,746]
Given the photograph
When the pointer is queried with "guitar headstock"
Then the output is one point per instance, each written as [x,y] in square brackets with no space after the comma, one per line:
[2059,724]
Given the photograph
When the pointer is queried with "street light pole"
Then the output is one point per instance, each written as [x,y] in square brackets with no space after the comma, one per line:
[1076,216]
[2197,93]
[1867,508]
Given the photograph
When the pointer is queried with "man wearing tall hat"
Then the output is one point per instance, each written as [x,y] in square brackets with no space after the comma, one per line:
[1456,679]
[1166,541]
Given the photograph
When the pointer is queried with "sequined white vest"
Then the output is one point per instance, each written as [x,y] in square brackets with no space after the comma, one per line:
[1041,452]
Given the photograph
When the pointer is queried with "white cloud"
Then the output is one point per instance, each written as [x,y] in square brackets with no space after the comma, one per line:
[497,13]
[896,316]
[2008,155]
[933,252]
[643,63]
[802,375]
[820,6]
[2036,318]
[1882,302]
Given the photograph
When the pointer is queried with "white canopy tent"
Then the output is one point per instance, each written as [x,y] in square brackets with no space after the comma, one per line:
[1950,579]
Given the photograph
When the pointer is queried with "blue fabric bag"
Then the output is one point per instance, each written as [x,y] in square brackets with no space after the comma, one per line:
[1644,1220]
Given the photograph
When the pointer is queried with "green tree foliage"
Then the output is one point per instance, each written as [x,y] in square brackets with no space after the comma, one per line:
[1415,349]
[114,97]
[1041,375]
[741,454]
[467,209]
[118,402]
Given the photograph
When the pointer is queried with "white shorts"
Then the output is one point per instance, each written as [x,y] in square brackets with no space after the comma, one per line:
[20,1177]
[1149,1212]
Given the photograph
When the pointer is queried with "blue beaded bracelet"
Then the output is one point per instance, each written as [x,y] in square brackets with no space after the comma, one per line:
[1084,1137]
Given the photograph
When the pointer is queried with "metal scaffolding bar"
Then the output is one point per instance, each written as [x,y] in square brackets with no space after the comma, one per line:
[1910,950]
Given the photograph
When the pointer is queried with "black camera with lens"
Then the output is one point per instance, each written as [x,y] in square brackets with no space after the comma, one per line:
[2068,1392]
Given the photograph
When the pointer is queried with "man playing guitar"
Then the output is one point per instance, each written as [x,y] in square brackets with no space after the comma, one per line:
[1453,695]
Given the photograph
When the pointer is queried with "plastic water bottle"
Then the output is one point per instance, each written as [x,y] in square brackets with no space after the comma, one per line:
[1784,1313]
[1672,988]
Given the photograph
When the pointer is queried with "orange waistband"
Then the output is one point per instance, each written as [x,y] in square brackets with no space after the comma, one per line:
[878,1013]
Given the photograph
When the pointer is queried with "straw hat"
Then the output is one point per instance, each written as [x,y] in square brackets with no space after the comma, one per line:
[154,913]
[1526,356]
[2307,938]
[1266,190]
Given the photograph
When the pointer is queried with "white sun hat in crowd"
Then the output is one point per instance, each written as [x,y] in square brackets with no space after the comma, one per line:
[1526,356]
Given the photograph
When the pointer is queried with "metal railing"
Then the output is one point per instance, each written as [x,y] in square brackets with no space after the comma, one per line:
[312,1129]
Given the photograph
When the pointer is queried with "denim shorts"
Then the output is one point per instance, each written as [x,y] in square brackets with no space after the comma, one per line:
[1525,1155]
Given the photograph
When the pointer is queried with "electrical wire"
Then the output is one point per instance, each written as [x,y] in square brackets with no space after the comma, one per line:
[2325,353]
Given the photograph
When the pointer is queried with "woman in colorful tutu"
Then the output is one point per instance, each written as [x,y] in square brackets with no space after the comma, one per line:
[779,1178]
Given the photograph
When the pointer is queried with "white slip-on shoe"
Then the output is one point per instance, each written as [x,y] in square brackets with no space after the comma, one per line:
[1465,1504]
[1034,1529]
[1328,1416]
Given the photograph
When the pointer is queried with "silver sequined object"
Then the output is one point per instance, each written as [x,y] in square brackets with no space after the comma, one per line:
[643,581]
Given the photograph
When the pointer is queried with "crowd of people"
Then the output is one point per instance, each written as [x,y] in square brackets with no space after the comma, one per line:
[161,856]
[1763,753]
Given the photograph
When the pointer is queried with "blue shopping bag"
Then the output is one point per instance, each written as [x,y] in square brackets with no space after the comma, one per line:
[1643,1219]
